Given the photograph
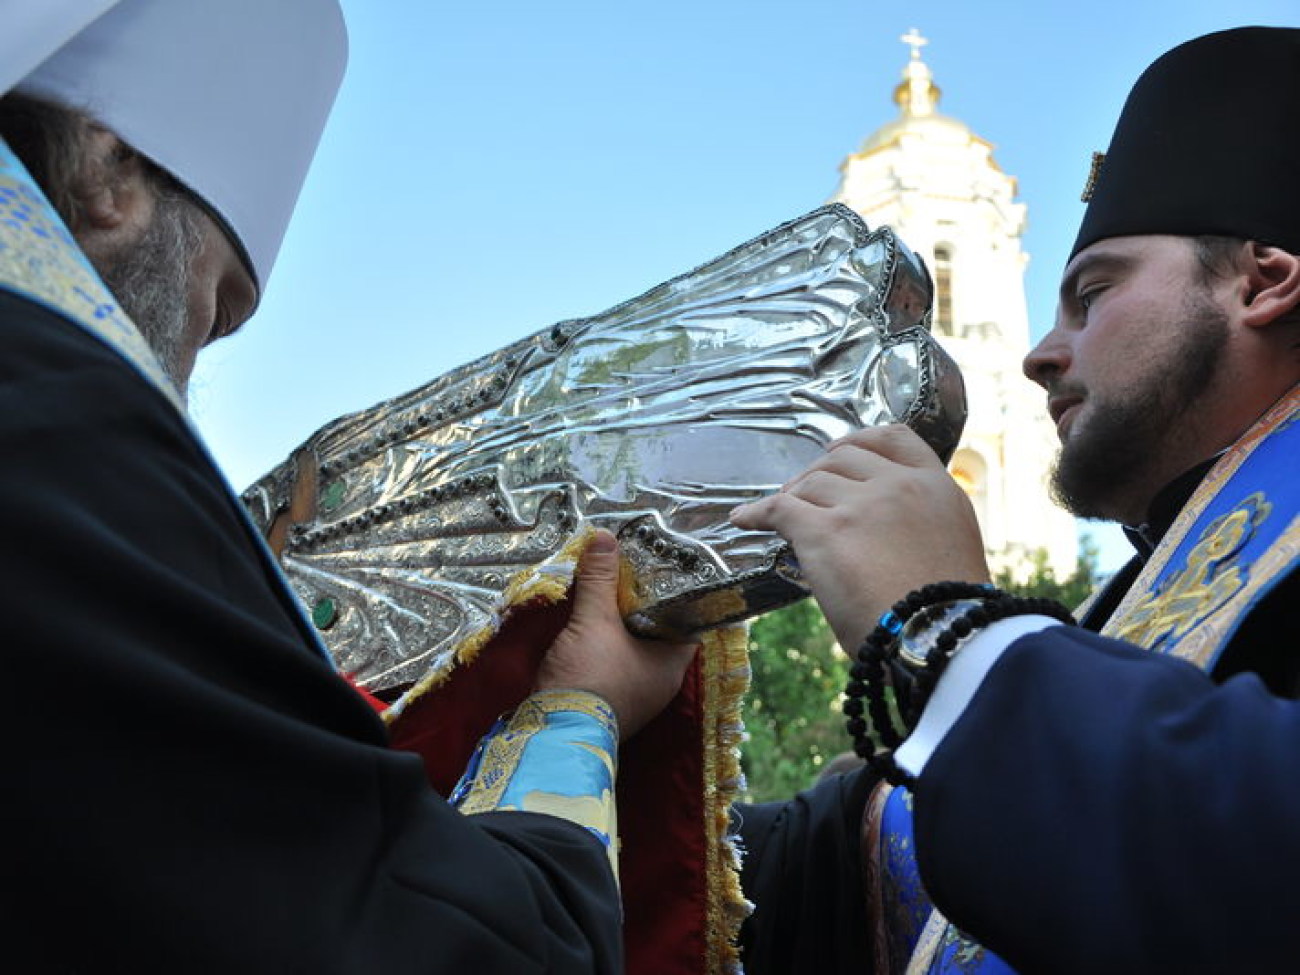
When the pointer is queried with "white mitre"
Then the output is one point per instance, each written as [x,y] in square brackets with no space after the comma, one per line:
[229,96]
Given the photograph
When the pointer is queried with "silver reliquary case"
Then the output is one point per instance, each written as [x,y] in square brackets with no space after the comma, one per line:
[401,526]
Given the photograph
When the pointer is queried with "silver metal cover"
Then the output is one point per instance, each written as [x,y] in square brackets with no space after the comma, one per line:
[401,526]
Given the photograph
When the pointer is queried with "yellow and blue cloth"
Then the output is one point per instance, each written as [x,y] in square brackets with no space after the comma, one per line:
[556,754]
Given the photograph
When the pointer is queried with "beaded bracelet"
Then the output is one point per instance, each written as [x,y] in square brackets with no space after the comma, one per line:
[976,604]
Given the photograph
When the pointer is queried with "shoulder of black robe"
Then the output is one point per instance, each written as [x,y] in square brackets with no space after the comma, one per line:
[1102,808]
[802,868]
[189,786]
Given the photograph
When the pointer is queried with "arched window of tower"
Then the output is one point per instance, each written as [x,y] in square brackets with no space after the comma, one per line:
[943,324]
[971,472]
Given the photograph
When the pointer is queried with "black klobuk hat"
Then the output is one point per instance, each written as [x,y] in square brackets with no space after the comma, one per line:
[1208,143]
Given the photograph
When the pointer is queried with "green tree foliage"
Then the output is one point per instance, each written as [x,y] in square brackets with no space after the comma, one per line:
[1042,581]
[792,712]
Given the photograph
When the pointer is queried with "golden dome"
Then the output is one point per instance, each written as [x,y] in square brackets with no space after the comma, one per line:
[917,97]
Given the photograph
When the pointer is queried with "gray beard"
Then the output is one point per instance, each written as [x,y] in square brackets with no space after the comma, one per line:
[150,279]
[1108,456]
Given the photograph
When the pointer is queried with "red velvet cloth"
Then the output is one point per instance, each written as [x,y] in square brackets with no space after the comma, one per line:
[662,817]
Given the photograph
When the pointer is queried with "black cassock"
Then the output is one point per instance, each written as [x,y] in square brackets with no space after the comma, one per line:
[803,869]
[188,785]
[1103,808]
[1098,807]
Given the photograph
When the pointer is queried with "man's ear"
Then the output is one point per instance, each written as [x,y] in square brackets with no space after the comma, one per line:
[1272,284]
[108,193]
[99,208]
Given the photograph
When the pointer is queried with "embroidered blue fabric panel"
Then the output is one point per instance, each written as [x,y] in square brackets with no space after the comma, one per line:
[909,915]
[1236,549]
[556,754]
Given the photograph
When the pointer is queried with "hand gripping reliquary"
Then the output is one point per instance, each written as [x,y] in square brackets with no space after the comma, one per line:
[401,526]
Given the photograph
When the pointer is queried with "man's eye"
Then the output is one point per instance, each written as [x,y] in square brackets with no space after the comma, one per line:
[1086,298]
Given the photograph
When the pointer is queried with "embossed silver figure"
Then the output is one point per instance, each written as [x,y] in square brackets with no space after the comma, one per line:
[401,525]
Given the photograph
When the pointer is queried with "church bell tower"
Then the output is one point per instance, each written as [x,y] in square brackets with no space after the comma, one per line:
[936,183]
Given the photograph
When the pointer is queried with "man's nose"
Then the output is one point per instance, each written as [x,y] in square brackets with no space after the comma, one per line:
[1048,360]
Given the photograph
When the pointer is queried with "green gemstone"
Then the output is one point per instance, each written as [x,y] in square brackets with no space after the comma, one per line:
[332,496]
[324,613]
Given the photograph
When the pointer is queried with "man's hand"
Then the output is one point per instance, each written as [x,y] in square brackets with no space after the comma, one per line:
[874,518]
[595,652]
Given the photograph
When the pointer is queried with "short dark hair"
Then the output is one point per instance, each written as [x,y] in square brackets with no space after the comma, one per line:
[1219,256]
[51,141]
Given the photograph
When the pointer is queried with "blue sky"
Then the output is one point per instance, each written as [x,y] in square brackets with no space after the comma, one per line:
[493,167]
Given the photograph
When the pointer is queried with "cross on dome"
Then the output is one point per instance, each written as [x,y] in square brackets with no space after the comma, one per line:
[914,40]
[918,95]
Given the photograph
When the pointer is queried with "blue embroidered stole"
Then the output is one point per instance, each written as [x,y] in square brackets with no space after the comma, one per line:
[1237,537]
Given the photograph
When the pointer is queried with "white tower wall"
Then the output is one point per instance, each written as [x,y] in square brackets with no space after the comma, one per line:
[937,184]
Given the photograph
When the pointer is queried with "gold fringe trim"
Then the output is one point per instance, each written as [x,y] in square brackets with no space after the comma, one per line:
[546,582]
[725,678]
[725,659]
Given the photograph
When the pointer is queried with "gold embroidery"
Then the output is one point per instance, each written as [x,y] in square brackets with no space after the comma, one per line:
[584,702]
[928,946]
[1277,418]
[1210,578]
[502,753]
[596,813]
[1199,646]
[1093,173]
[500,758]
[504,750]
